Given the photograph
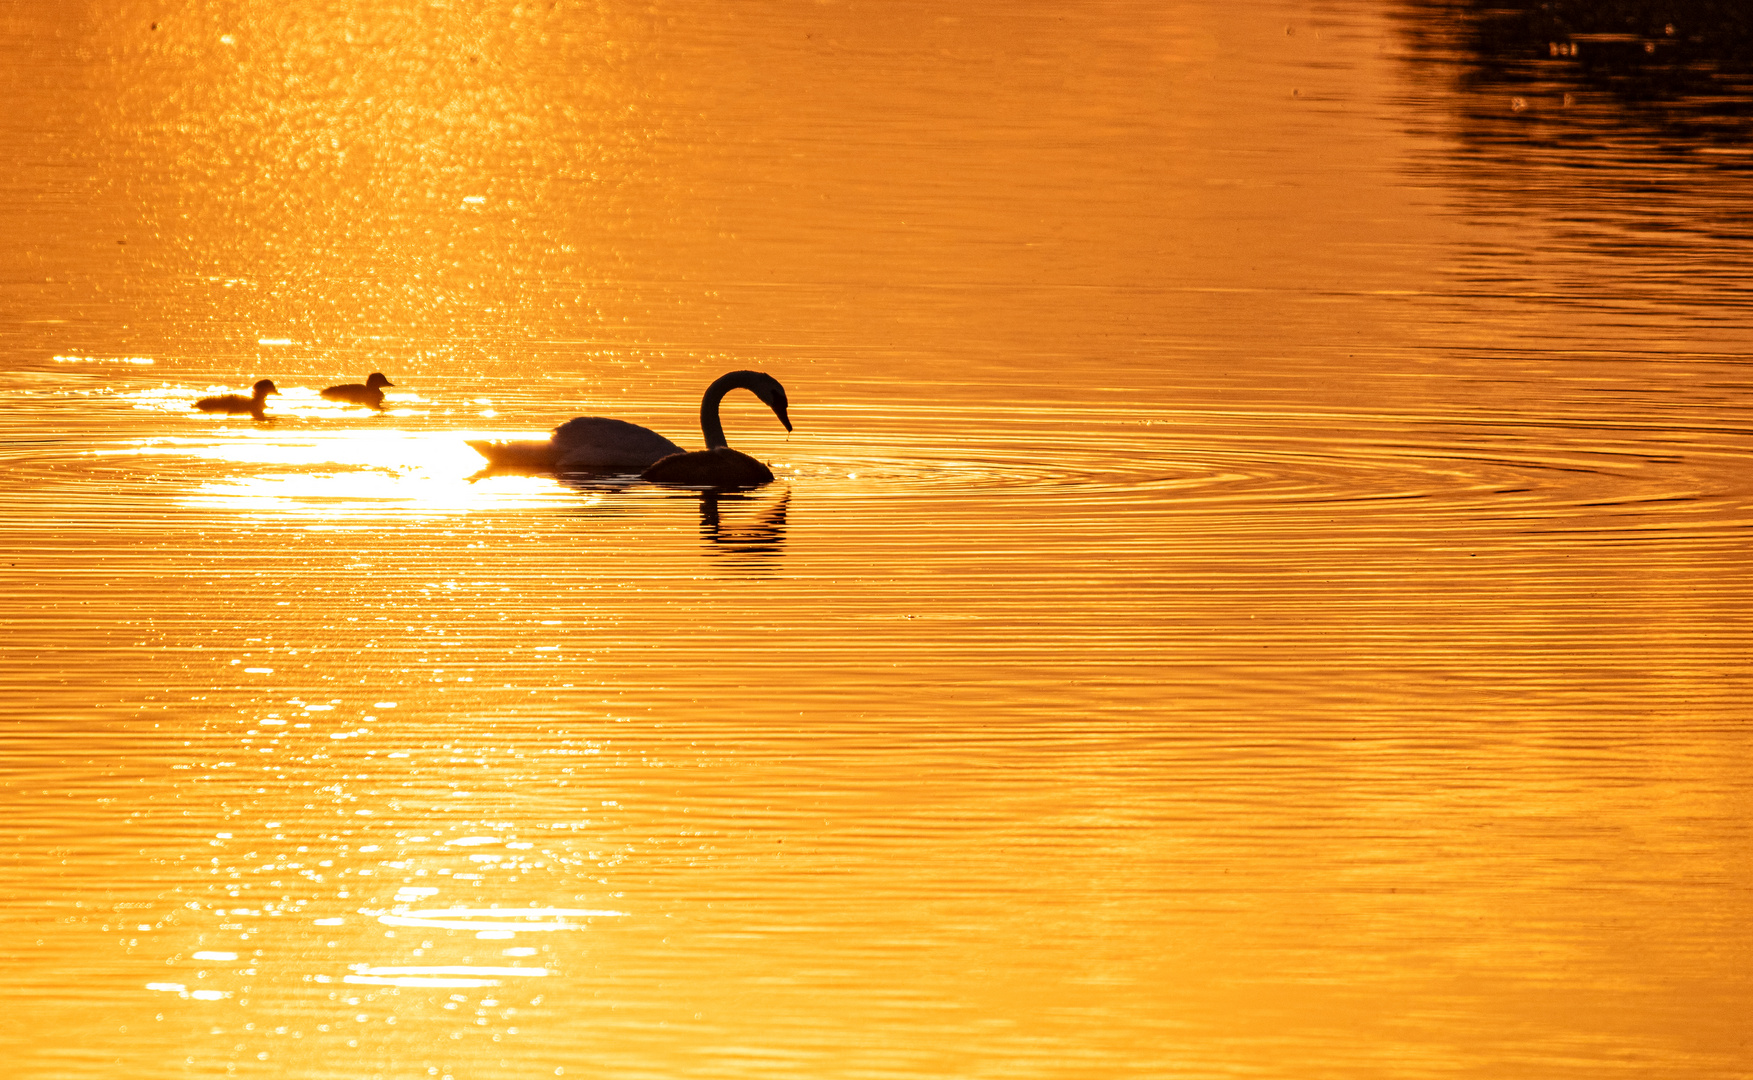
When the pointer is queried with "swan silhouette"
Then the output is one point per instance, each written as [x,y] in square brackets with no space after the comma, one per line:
[600,444]
[237,403]
[370,392]
[718,465]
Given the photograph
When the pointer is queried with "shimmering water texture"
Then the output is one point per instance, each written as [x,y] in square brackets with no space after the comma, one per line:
[1257,583]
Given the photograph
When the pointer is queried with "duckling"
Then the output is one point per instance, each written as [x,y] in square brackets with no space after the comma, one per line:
[369,392]
[237,403]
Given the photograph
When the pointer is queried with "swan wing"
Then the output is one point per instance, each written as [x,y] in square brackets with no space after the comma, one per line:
[598,442]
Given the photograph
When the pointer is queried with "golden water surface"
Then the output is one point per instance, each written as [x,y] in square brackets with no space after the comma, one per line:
[1259,584]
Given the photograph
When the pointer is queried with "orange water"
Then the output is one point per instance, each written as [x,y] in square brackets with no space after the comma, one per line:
[1258,586]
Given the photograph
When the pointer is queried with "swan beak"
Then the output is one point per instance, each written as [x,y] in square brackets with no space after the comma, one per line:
[784,419]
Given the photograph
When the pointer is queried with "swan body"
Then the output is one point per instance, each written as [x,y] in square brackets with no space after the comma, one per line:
[237,403]
[602,444]
[582,444]
[370,392]
[599,444]
[718,466]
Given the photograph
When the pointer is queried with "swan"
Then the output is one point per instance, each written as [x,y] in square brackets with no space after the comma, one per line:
[719,466]
[370,392]
[237,403]
[601,444]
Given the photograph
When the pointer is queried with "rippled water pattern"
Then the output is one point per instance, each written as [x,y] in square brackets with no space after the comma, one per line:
[1258,585]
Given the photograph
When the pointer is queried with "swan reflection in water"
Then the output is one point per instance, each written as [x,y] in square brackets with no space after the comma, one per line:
[731,522]
[755,527]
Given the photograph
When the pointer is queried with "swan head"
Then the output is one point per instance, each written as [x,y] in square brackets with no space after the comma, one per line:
[767,388]
[265,387]
[376,381]
[759,383]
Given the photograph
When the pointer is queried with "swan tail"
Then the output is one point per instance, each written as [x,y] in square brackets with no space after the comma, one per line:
[526,454]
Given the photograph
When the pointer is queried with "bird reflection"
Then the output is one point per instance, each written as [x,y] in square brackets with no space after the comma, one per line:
[587,483]
[733,522]
[760,530]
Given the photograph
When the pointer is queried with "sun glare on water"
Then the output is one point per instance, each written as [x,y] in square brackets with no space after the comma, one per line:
[341,473]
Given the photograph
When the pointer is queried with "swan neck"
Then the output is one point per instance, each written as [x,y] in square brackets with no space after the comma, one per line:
[710,427]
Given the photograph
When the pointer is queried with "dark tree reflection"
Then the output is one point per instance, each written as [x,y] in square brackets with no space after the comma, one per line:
[1597,145]
[1677,72]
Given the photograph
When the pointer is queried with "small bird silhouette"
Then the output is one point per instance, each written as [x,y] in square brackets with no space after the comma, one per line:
[369,392]
[237,403]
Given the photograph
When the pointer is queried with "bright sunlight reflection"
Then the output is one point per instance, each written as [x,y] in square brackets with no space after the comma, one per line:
[351,474]
[334,474]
